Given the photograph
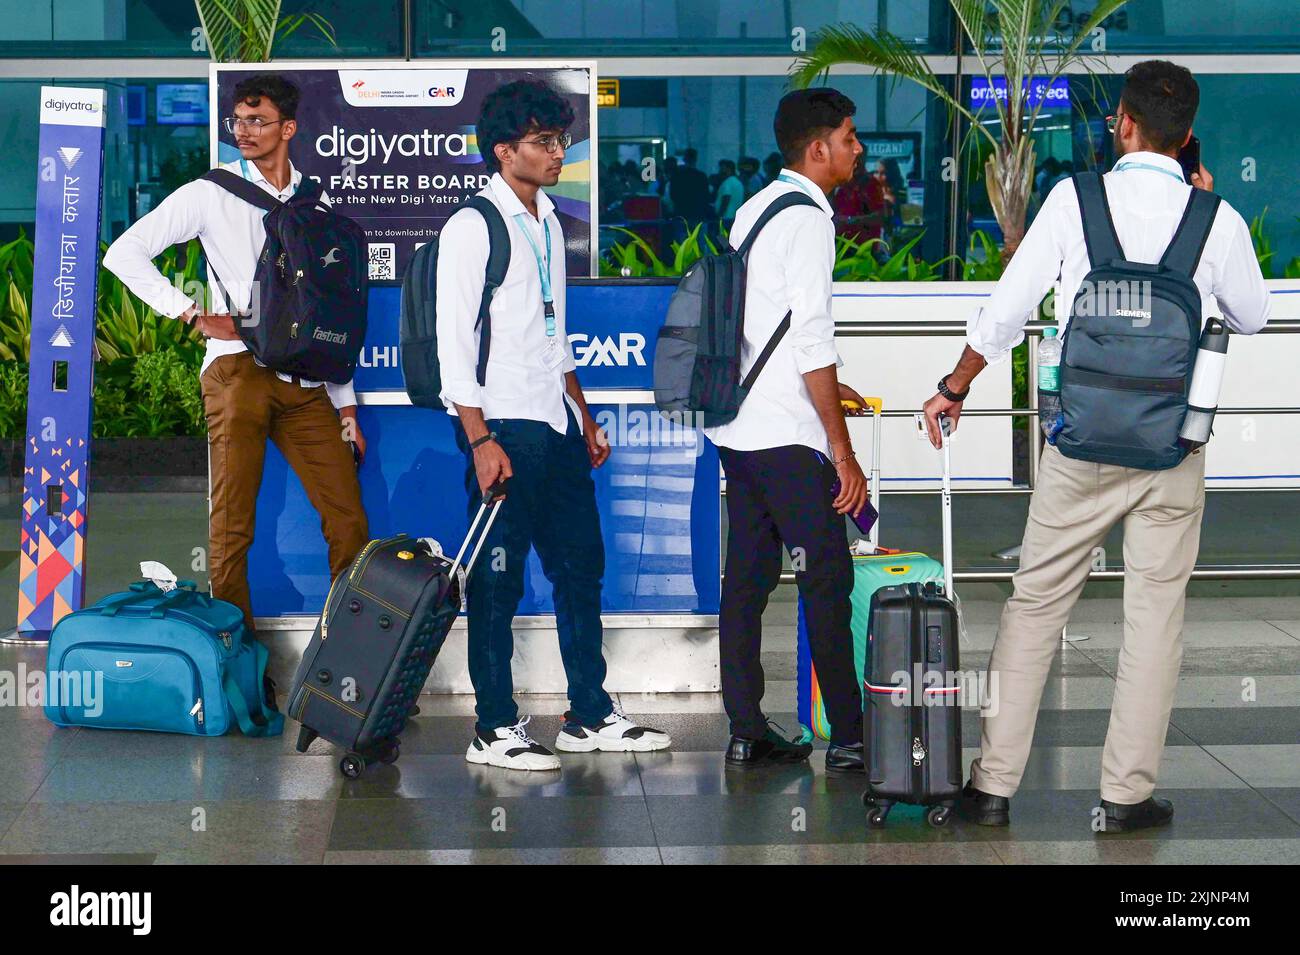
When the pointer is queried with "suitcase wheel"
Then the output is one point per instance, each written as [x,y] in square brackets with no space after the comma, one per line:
[877,812]
[413,711]
[938,816]
[389,752]
[352,765]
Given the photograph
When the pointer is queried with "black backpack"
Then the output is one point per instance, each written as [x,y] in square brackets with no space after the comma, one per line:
[697,356]
[418,326]
[1130,346]
[312,276]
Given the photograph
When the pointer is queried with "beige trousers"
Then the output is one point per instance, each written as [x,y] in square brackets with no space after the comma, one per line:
[1073,507]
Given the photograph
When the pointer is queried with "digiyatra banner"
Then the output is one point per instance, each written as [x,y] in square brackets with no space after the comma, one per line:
[51,582]
[394,145]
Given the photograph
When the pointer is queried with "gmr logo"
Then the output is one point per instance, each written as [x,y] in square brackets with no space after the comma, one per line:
[606,351]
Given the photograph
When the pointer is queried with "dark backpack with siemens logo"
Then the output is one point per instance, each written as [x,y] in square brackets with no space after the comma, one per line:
[308,311]
[1130,346]
[697,356]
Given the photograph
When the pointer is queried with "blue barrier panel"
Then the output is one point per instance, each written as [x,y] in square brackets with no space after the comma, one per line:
[658,494]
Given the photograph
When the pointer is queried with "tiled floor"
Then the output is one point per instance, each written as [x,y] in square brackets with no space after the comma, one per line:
[1231,766]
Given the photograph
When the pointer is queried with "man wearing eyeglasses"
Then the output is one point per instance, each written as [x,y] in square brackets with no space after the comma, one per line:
[526,421]
[245,402]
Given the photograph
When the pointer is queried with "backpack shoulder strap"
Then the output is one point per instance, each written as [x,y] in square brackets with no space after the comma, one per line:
[777,205]
[497,263]
[241,187]
[782,327]
[1098,226]
[1185,248]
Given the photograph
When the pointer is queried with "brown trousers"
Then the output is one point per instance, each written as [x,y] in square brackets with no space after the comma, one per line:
[245,404]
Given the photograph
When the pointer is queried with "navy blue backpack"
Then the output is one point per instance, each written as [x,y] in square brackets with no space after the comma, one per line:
[312,276]
[1130,346]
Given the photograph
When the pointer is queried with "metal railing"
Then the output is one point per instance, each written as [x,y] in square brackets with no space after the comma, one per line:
[1033,332]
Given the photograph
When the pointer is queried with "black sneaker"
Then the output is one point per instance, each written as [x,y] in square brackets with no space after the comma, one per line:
[772,748]
[1149,813]
[984,809]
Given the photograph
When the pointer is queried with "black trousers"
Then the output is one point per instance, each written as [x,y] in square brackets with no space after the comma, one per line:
[781,496]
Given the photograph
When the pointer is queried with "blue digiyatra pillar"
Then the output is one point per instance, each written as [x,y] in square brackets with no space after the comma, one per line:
[659,499]
[51,576]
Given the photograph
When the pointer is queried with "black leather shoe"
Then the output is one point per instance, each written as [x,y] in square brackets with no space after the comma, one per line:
[772,748]
[1147,814]
[984,809]
[845,759]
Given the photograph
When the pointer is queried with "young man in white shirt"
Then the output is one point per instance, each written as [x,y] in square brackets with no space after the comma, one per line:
[789,443]
[1076,502]
[244,401]
[527,422]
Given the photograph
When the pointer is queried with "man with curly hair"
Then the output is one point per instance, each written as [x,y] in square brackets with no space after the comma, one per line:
[525,420]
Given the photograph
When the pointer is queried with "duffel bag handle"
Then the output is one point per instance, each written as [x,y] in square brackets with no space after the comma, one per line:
[140,591]
[179,597]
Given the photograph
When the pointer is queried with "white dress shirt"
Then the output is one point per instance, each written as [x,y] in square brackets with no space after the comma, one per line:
[789,270]
[1146,205]
[232,235]
[517,383]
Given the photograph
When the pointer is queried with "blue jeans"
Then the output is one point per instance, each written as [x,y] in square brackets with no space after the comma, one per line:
[550,505]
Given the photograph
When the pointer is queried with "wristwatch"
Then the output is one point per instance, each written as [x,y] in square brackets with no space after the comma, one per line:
[948,393]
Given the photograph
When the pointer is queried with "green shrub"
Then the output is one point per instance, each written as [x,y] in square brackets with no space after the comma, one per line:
[13,400]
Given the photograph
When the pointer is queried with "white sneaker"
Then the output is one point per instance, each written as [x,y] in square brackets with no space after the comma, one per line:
[510,748]
[616,734]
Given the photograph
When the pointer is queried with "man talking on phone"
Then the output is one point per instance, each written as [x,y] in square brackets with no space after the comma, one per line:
[1078,499]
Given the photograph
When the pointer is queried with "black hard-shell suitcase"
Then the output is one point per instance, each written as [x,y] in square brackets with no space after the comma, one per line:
[384,621]
[912,718]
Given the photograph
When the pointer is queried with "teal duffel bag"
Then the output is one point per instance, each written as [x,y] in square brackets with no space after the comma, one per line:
[174,661]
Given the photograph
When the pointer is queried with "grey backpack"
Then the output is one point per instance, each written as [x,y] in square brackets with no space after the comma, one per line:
[697,356]
[1130,347]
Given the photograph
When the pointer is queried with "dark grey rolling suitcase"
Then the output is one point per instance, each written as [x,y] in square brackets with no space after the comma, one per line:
[912,718]
[384,621]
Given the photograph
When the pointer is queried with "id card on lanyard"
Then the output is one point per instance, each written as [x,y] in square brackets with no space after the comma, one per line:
[552,353]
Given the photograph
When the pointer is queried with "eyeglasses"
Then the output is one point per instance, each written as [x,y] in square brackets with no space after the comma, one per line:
[1113,121]
[255,123]
[550,143]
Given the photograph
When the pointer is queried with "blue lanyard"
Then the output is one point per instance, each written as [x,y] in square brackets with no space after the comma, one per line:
[795,182]
[543,269]
[1146,165]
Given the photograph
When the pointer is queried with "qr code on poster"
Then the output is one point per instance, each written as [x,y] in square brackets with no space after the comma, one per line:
[383,264]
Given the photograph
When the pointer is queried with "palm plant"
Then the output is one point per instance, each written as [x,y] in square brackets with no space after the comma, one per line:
[244,31]
[1015,40]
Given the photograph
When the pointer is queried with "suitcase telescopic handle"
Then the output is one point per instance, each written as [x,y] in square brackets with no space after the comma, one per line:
[491,505]
[945,427]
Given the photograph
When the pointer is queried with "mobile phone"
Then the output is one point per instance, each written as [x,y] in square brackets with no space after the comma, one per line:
[865,520]
[1189,157]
